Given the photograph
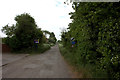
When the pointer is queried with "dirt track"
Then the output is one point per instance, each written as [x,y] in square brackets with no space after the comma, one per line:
[47,65]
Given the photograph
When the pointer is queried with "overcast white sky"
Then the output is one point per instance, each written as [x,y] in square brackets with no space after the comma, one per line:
[51,15]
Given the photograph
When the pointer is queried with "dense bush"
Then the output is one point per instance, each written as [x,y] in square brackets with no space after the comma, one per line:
[95,27]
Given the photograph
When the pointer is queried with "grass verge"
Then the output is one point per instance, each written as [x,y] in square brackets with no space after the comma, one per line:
[83,71]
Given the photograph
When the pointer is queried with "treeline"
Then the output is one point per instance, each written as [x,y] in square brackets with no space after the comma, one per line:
[25,34]
[96,30]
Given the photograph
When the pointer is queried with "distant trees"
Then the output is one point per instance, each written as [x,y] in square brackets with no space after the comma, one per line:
[23,33]
[46,32]
[52,38]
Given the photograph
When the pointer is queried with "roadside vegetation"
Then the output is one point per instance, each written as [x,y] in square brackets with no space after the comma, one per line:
[26,37]
[95,28]
[83,71]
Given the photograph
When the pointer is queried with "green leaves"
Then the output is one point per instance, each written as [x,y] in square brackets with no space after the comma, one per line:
[23,34]
[9,30]
[95,26]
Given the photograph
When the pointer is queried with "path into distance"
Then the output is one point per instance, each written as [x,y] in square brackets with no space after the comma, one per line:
[46,65]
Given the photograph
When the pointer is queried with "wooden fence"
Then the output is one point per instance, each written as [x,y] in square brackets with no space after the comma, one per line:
[5,48]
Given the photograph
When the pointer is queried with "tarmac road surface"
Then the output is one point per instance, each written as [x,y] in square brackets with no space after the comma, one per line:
[47,65]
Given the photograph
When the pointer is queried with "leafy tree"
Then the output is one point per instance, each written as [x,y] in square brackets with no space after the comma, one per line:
[23,34]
